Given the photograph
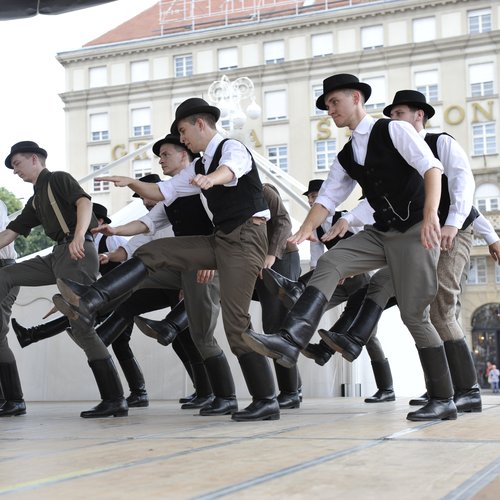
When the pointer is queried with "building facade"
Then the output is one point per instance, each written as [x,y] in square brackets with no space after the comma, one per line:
[122,90]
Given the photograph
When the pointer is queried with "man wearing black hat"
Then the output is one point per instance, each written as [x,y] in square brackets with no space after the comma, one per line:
[457,216]
[228,177]
[64,210]
[401,180]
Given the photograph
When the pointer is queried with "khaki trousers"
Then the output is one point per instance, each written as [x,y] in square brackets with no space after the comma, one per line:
[413,270]
[238,257]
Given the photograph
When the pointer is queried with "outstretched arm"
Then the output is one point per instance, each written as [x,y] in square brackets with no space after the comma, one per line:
[143,189]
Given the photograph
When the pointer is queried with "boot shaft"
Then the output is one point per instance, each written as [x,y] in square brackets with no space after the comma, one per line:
[436,372]
[220,376]
[107,379]
[10,382]
[462,369]
[177,317]
[383,375]
[258,375]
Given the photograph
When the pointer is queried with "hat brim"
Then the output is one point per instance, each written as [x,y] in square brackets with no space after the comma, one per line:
[427,108]
[39,151]
[211,110]
[158,144]
[364,88]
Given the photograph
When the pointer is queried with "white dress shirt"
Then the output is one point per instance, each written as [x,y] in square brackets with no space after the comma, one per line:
[339,185]
[7,252]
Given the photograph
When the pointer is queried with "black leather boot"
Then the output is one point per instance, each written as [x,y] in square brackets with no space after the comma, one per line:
[320,352]
[288,382]
[112,327]
[260,382]
[77,300]
[14,404]
[135,379]
[297,329]
[27,336]
[352,342]
[422,400]
[463,375]
[383,379]
[167,329]
[439,387]
[287,290]
[221,380]
[204,394]
[110,387]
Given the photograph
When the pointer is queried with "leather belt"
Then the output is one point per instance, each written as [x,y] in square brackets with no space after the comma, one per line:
[7,262]
[69,238]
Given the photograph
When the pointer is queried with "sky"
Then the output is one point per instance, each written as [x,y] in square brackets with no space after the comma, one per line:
[32,79]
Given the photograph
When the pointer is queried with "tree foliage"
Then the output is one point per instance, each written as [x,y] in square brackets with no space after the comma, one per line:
[37,240]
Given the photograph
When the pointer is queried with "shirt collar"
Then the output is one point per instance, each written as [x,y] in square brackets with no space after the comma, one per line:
[365,125]
[209,152]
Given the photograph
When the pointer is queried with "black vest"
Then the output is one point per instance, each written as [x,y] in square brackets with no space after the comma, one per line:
[103,248]
[231,206]
[320,232]
[189,217]
[444,202]
[394,189]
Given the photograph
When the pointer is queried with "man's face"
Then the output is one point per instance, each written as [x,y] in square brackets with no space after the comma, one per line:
[24,166]
[404,113]
[311,197]
[341,106]
[172,161]
[190,135]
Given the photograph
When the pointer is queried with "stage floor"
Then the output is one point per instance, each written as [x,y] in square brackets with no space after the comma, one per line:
[329,448]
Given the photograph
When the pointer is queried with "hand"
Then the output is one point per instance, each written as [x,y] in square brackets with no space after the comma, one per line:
[103,259]
[104,229]
[117,180]
[301,235]
[205,276]
[430,234]
[76,248]
[338,229]
[202,181]
[494,249]
[448,234]
[268,263]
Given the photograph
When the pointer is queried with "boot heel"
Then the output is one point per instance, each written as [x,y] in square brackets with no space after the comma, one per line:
[121,413]
[276,416]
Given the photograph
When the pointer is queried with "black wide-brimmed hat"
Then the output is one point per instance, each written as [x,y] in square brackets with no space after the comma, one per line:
[313,187]
[193,106]
[150,178]
[342,81]
[101,212]
[24,147]
[171,139]
[412,98]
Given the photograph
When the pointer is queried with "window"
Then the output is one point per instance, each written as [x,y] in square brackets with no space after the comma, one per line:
[98,77]
[427,83]
[424,29]
[99,186]
[377,98]
[487,197]
[141,122]
[317,91]
[275,104]
[139,71]
[141,168]
[274,52]
[183,65]
[479,21]
[228,58]
[372,37]
[325,153]
[322,44]
[99,127]
[484,138]
[477,272]
[278,155]
[481,79]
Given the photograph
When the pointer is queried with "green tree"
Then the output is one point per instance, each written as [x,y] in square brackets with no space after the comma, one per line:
[37,240]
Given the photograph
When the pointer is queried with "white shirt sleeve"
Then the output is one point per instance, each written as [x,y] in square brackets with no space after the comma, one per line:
[482,227]
[360,215]
[7,252]
[156,218]
[412,147]
[461,183]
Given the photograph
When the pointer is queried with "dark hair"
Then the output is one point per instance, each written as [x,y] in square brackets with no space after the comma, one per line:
[414,108]
[210,119]
[40,157]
